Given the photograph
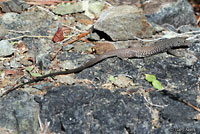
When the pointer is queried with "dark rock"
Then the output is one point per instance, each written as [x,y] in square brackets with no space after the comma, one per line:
[77,109]
[176,14]
[177,116]
[123,23]
[19,113]
[176,111]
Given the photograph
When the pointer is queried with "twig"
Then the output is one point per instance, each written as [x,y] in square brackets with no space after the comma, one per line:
[15,31]
[42,2]
[40,122]
[46,125]
[74,28]
[43,128]
[162,106]
[69,37]
[46,10]
[189,104]
[186,34]
[176,97]
[31,36]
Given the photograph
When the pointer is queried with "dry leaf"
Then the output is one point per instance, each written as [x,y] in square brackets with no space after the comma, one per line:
[58,36]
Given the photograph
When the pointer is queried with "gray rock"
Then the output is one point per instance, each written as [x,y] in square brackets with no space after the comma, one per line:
[19,113]
[6,48]
[3,32]
[123,23]
[176,14]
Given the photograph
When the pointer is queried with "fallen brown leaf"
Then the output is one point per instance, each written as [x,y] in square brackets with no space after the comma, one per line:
[58,36]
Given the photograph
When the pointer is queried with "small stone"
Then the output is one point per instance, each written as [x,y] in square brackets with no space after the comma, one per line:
[6,48]
[122,81]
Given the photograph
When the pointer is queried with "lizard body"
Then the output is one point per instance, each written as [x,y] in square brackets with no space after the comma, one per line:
[137,52]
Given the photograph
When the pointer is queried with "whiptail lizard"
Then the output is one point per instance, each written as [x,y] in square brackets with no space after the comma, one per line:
[137,52]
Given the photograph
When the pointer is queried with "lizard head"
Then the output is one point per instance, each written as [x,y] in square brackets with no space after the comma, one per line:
[180,41]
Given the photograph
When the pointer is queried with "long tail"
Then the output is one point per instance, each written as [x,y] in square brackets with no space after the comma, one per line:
[76,70]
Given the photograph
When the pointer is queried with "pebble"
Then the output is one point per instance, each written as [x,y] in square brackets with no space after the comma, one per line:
[6,48]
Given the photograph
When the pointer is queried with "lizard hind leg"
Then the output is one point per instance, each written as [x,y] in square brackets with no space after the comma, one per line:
[176,53]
